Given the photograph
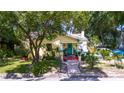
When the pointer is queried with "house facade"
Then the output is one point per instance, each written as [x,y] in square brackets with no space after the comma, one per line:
[69,44]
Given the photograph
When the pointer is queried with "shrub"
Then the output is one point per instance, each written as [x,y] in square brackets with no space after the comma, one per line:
[117,56]
[6,53]
[104,53]
[44,66]
[91,60]
[9,53]
[108,58]
[21,52]
[83,56]
[2,55]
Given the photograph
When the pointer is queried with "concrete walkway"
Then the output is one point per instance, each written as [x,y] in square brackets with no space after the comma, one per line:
[72,66]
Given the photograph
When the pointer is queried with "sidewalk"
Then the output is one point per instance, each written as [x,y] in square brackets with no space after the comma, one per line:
[64,77]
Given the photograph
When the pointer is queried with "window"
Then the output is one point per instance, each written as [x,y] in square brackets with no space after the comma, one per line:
[49,47]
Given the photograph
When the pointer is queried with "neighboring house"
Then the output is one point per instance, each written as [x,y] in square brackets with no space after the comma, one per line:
[67,45]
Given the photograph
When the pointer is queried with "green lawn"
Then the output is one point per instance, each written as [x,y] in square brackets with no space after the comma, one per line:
[14,66]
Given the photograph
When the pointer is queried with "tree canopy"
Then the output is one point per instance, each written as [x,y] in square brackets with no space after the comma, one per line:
[104,24]
[38,25]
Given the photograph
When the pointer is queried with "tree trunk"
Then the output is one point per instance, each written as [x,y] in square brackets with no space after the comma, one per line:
[101,35]
[35,60]
[36,57]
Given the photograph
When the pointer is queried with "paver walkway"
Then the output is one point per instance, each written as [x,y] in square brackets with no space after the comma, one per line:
[72,67]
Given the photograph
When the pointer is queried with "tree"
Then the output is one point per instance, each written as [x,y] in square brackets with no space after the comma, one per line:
[76,19]
[103,25]
[36,26]
[7,34]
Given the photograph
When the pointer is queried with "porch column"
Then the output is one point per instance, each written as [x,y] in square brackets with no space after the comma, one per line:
[61,51]
[79,51]
[79,57]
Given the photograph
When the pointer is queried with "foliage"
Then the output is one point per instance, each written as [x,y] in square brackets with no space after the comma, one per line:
[5,53]
[103,25]
[21,52]
[19,26]
[44,66]
[79,20]
[91,60]
[104,53]
[9,53]
[7,35]
[117,56]
[83,56]
[37,26]
[34,26]
[108,58]
[94,40]
[2,55]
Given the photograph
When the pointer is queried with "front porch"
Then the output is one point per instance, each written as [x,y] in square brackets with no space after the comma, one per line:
[69,47]
[68,51]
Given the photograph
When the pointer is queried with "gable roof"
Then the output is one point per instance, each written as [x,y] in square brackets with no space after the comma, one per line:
[62,39]
[78,36]
[69,38]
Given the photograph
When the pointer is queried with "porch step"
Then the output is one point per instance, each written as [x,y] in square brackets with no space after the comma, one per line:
[73,69]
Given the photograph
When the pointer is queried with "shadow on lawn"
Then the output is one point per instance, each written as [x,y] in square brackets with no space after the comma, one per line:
[23,68]
[5,63]
[21,71]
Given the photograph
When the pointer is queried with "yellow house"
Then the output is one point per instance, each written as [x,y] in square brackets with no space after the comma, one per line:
[67,45]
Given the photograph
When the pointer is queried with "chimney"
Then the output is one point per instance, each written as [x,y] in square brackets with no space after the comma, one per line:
[82,34]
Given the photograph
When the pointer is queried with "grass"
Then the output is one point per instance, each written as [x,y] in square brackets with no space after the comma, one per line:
[14,66]
[18,66]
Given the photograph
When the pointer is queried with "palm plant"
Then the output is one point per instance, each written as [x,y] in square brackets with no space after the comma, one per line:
[91,60]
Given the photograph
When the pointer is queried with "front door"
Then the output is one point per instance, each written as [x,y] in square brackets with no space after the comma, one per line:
[69,49]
